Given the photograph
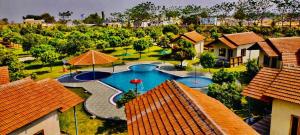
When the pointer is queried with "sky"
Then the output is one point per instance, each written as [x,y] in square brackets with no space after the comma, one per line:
[15,9]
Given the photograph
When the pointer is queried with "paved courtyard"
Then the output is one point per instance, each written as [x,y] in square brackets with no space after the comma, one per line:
[100,102]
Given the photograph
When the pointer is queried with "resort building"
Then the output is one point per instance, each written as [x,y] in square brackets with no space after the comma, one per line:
[173,108]
[193,37]
[31,108]
[281,88]
[232,48]
[33,21]
[277,52]
[4,75]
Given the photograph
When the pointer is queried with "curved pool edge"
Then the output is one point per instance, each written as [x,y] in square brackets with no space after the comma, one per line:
[118,92]
[111,98]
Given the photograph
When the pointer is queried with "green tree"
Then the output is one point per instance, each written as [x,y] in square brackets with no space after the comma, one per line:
[141,45]
[170,28]
[31,40]
[223,9]
[77,42]
[115,41]
[64,16]
[183,54]
[49,57]
[227,93]
[93,19]
[10,59]
[38,51]
[163,42]
[139,33]
[240,15]
[172,12]
[208,59]
[102,44]
[141,12]
[48,18]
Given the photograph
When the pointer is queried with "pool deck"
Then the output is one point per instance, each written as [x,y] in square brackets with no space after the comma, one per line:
[100,102]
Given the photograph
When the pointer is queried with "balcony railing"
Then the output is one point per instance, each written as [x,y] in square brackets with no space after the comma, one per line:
[235,61]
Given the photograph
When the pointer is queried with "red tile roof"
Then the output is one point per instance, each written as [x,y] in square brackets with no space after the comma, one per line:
[173,108]
[267,49]
[243,38]
[193,37]
[237,39]
[92,58]
[260,83]
[4,75]
[227,42]
[286,44]
[287,48]
[24,101]
[281,84]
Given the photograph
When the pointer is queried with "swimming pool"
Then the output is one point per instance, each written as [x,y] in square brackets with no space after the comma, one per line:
[148,73]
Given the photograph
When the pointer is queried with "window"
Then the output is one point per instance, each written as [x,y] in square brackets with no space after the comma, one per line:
[243,52]
[295,127]
[222,52]
[40,133]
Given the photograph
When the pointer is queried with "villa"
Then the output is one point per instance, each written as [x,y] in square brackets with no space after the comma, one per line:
[281,88]
[31,108]
[233,47]
[174,108]
[277,52]
[193,37]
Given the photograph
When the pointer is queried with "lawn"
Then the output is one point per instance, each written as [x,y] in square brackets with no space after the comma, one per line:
[86,125]
[43,71]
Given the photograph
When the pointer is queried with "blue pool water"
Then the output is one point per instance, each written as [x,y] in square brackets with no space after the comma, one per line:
[150,76]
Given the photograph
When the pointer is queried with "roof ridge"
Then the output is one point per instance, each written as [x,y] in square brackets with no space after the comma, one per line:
[239,33]
[284,38]
[229,40]
[18,82]
[218,128]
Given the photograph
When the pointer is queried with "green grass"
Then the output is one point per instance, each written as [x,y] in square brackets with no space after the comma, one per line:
[43,71]
[87,126]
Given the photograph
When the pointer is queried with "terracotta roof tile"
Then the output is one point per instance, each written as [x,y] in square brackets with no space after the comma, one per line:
[286,44]
[260,83]
[193,37]
[92,57]
[4,75]
[173,108]
[227,42]
[243,38]
[280,84]
[24,101]
[267,49]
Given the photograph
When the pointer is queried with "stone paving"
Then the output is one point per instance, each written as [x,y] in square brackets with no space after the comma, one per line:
[100,102]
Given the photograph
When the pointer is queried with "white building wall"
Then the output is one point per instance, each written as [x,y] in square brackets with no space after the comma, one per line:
[216,48]
[253,55]
[199,47]
[48,123]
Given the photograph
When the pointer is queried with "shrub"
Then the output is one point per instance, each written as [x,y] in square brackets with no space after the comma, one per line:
[290,32]
[208,60]
[170,28]
[224,77]
[128,96]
